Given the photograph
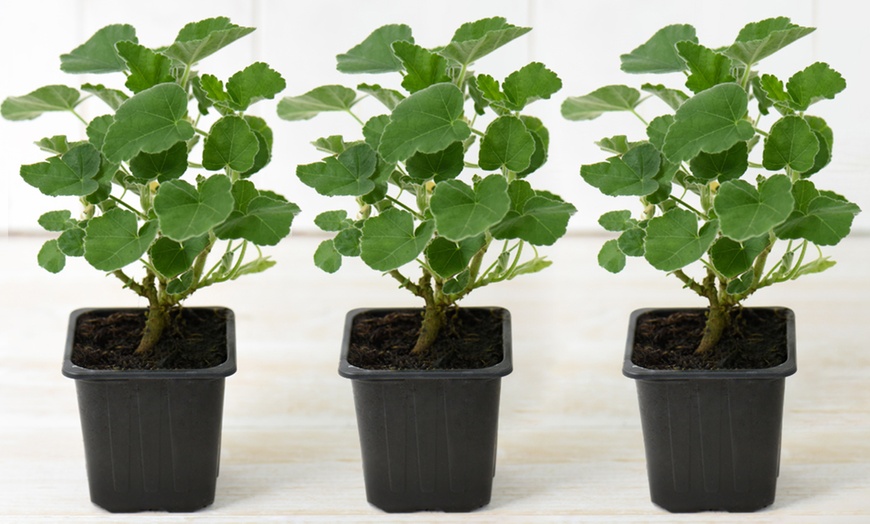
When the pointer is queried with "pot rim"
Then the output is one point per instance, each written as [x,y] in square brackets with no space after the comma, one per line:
[499,370]
[787,368]
[225,369]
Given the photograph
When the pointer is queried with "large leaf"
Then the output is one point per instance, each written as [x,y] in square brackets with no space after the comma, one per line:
[389,240]
[114,239]
[816,82]
[723,166]
[447,258]
[711,121]
[791,144]
[185,211]
[348,174]
[673,240]
[256,82]
[604,99]
[375,53]
[171,258]
[162,166]
[316,101]
[98,54]
[427,121]
[632,174]
[475,40]
[150,121]
[759,40]
[539,219]
[33,104]
[147,68]
[708,68]
[659,54]
[73,173]
[462,211]
[506,144]
[732,258]
[441,165]
[230,143]
[745,212]
[198,40]
[532,82]
[422,67]
[823,218]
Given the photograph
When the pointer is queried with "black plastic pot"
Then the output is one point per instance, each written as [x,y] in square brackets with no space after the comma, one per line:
[152,438]
[712,438]
[428,438]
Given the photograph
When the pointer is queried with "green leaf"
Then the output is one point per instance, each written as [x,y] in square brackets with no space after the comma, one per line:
[631,174]
[427,121]
[114,239]
[185,211]
[98,54]
[422,67]
[33,104]
[745,212]
[532,82]
[441,165]
[171,258]
[316,101]
[389,97]
[181,284]
[97,130]
[457,284]
[791,144]
[724,166]
[72,173]
[711,121]
[825,136]
[112,97]
[604,99]
[741,285]
[475,40]
[326,257]
[659,54]
[631,241]
[373,130]
[657,130]
[823,218]
[348,174]
[673,240]
[198,40]
[56,145]
[254,83]
[616,220]
[708,68]
[462,212]
[816,82]
[611,258]
[759,40]
[539,219]
[347,242]
[816,266]
[162,166]
[447,258]
[264,221]
[230,143]
[375,53]
[506,144]
[150,121]
[389,240]
[147,68]
[56,220]
[72,242]
[732,258]
[50,257]
[541,136]
[674,98]
[332,220]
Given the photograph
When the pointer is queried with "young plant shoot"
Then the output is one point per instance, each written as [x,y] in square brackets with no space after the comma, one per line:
[439,171]
[729,176]
[165,122]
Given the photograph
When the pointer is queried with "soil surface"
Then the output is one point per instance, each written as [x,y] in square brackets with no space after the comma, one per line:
[471,339]
[756,339]
[195,339]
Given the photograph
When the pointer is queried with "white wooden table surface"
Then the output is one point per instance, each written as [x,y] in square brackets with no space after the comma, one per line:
[570,447]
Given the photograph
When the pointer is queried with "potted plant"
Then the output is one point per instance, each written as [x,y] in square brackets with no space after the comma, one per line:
[437,177]
[150,381]
[728,182]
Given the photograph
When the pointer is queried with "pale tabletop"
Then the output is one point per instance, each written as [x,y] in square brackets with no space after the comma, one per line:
[570,446]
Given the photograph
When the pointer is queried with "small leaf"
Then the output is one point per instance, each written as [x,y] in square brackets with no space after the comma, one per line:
[150,121]
[389,240]
[673,240]
[423,68]
[326,257]
[532,82]
[447,258]
[759,40]
[823,218]
[825,136]
[56,145]
[97,129]
[461,211]
[316,101]
[332,220]
[347,242]
[711,121]
[474,40]
[373,130]
[264,221]
[604,99]
[741,284]
[114,239]
[230,143]
[171,258]
[457,284]
[427,121]
[389,97]
[631,241]
[506,144]
[538,218]
[611,258]
[198,40]
[147,68]
[441,165]
[162,166]
[375,53]
[50,257]
[185,211]
[816,82]
[674,98]
[72,242]
[657,130]
[732,258]
[73,173]
[616,220]
[745,212]
[541,136]
[254,83]
[181,284]
[631,174]
[56,220]
[708,68]
[348,174]
[33,104]
[724,166]
[791,144]
[112,97]
[659,54]
[98,54]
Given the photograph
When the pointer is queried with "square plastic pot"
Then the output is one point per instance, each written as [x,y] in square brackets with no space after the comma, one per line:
[152,438]
[428,438]
[712,438]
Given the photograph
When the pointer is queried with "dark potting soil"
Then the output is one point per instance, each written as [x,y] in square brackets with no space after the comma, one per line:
[471,339]
[756,339]
[194,339]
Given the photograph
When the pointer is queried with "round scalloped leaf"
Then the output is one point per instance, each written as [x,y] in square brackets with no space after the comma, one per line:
[732,258]
[162,166]
[72,173]
[348,174]
[659,53]
[447,258]
[746,212]
[462,211]
[98,53]
[114,240]
[33,104]
[389,240]
[632,174]
[185,211]
[673,240]
[791,144]
[507,143]
[230,143]
[375,53]
[171,258]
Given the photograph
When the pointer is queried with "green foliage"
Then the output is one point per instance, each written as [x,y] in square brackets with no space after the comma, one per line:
[128,168]
[438,171]
[723,180]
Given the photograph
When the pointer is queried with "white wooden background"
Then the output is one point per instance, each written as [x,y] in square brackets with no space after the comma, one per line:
[581,40]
